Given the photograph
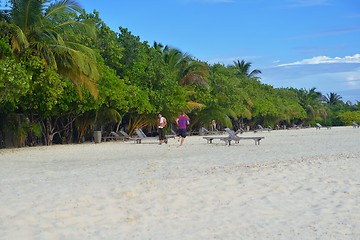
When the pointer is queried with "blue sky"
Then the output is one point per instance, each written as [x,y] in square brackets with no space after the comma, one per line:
[295,43]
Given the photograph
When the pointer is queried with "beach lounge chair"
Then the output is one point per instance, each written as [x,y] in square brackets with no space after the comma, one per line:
[318,126]
[232,137]
[261,129]
[226,139]
[128,137]
[239,131]
[296,127]
[140,133]
[355,125]
[237,138]
[114,136]
[121,135]
[142,136]
[208,132]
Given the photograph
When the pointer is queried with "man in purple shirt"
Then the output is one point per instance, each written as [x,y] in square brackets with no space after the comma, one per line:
[182,122]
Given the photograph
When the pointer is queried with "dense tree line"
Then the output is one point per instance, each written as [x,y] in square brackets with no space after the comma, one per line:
[64,73]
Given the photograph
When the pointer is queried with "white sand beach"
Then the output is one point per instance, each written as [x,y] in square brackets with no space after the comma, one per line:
[297,184]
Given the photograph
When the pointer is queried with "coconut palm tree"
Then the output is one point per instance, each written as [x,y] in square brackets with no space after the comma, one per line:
[188,70]
[189,73]
[332,98]
[243,69]
[158,46]
[311,101]
[40,26]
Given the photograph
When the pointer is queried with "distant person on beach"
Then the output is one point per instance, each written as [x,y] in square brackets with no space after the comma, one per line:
[182,122]
[213,125]
[161,125]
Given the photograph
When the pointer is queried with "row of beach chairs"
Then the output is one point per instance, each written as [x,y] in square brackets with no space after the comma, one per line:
[121,135]
[209,135]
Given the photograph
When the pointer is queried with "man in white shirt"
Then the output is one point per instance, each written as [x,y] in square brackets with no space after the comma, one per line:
[161,125]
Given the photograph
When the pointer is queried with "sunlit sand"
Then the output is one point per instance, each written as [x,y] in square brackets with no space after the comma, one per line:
[297,184]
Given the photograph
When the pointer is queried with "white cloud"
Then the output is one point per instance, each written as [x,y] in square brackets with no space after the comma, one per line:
[325,60]
[353,80]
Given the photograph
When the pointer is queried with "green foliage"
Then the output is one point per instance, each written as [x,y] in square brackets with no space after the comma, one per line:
[46,87]
[14,83]
[20,128]
[42,28]
[242,69]
[348,117]
[332,99]
[5,49]
[115,79]
[106,41]
[116,93]
[311,101]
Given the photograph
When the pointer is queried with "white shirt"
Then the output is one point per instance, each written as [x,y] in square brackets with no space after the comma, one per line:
[162,119]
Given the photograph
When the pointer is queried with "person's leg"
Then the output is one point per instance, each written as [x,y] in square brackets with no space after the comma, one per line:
[160,135]
[183,136]
[179,134]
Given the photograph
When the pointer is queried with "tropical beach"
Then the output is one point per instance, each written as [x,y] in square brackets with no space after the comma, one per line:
[75,79]
[297,184]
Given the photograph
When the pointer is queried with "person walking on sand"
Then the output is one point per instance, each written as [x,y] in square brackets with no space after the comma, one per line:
[182,122]
[161,125]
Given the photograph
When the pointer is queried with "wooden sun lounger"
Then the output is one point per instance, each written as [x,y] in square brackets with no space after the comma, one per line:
[121,135]
[260,129]
[135,139]
[208,132]
[237,138]
[113,136]
[142,136]
[318,126]
[210,139]
[232,137]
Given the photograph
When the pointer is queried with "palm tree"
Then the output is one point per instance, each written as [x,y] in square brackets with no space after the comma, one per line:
[41,27]
[189,73]
[243,69]
[311,101]
[188,70]
[158,46]
[332,98]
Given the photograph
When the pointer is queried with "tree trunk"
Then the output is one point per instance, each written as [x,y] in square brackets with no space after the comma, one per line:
[48,132]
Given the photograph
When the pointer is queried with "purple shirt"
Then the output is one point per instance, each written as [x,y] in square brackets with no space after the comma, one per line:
[182,120]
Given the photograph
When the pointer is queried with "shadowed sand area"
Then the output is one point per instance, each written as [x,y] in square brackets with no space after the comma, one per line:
[297,184]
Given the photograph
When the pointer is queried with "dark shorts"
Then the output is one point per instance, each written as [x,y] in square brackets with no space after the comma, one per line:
[162,134]
[182,133]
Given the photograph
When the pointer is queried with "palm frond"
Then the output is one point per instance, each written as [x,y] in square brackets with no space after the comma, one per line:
[82,27]
[75,65]
[26,13]
[215,112]
[17,37]
[190,106]
[108,115]
[139,121]
[62,6]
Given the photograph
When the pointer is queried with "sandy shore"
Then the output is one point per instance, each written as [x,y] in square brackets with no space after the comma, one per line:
[298,184]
